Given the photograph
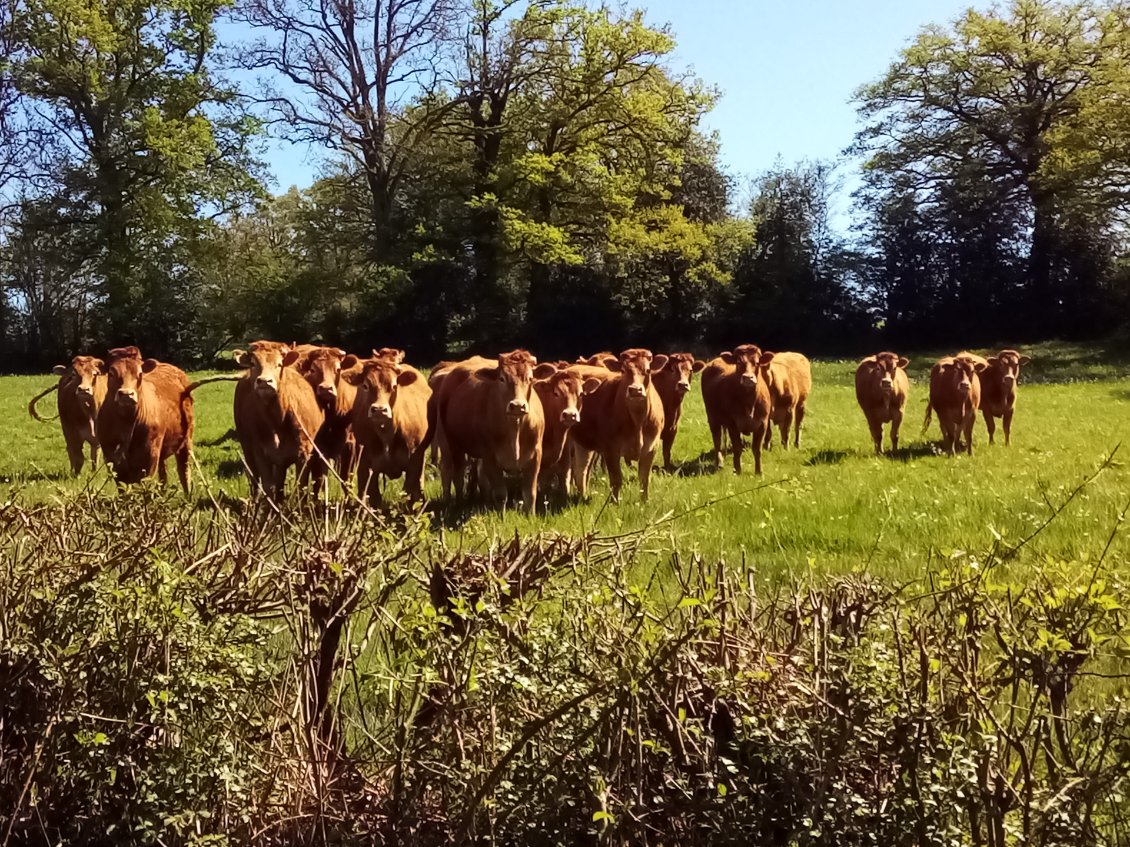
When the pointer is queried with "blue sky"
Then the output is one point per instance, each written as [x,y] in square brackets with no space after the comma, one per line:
[786,71]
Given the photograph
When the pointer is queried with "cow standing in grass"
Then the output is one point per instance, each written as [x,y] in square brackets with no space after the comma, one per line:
[955,394]
[277,415]
[737,400]
[789,378]
[390,422]
[623,420]
[673,382]
[881,388]
[146,418]
[81,390]
[998,389]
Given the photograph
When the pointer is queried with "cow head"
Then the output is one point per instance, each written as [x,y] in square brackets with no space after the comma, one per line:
[515,378]
[322,369]
[392,354]
[82,373]
[125,371]
[635,367]
[1006,366]
[377,382]
[680,368]
[960,373]
[888,364]
[748,361]
[265,362]
[569,389]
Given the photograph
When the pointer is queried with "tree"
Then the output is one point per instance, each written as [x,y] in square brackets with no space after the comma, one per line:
[146,135]
[349,68]
[1023,92]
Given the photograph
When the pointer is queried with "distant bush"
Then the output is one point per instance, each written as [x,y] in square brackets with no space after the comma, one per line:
[336,676]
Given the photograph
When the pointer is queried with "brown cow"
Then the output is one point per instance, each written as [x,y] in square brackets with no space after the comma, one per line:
[596,360]
[322,367]
[390,421]
[276,415]
[673,382]
[81,390]
[488,412]
[998,389]
[147,417]
[881,388]
[623,419]
[562,394]
[955,394]
[737,400]
[790,381]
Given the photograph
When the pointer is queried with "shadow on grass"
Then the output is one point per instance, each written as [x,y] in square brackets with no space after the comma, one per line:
[914,451]
[703,465]
[229,469]
[25,475]
[827,457]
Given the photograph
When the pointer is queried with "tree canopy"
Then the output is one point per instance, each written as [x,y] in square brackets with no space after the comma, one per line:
[539,172]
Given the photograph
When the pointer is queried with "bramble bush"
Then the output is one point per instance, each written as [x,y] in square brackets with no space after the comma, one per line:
[332,675]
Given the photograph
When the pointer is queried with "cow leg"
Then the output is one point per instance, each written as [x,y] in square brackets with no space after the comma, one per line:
[716,436]
[155,461]
[786,424]
[970,420]
[736,441]
[646,459]
[458,471]
[896,422]
[184,454]
[76,451]
[668,440]
[94,454]
[990,424]
[876,427]
[756,446]
[768,440]
[530,487]
[582,460]
[372,491]
[615,474]
[1006,422]
[797,421]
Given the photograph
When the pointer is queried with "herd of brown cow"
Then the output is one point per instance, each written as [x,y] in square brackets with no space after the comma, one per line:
[319,408]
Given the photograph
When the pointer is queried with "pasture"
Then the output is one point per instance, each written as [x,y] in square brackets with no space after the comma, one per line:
[831,507]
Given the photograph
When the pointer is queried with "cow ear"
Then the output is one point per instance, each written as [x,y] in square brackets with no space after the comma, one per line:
[591,385]
[727,357]
[659,363]
[354,378]
[60,370]
[698,366]
[406,377]
[612,365]
[766,359]
[241,358]
[290,358]
[148,366]
[544,370]
[993,361]
[348,362]
[903,362]
[980,367]
[1024,360]
[99,366]
[488,373]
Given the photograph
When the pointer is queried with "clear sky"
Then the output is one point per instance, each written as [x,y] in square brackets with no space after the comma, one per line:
[786,70]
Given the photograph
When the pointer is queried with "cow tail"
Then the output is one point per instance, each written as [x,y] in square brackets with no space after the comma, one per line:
[31,410]
[926,423]
[192,386]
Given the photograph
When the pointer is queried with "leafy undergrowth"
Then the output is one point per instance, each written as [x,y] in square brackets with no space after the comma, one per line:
[330,676]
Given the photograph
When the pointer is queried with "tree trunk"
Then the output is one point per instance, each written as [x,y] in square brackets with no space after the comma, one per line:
[1042,304]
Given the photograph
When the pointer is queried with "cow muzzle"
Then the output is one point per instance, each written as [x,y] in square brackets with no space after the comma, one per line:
[637,391]
[749,380]
[127,397]
[1009,381]
[887,384]
[265,385]
[570,417]
[327,393]
[964,386]
[683,387]
[517,408]
[382,412]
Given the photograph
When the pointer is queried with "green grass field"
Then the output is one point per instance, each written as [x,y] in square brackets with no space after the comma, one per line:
[832,506]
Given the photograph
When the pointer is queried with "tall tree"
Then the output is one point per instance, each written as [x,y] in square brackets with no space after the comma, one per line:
[348,69]
[1023,91]
[147,134]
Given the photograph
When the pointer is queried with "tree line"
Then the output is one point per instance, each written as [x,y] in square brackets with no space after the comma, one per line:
[536,172]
